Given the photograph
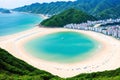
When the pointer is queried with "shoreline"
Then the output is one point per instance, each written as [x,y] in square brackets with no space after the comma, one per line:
[43,16]
[76,59]
[106,59]
[37,25]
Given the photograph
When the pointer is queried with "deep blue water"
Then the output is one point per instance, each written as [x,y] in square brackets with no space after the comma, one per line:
[16,22]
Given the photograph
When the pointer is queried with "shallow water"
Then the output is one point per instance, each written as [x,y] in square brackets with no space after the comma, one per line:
[62,47]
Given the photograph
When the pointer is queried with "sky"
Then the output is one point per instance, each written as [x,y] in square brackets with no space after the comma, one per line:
[10,4]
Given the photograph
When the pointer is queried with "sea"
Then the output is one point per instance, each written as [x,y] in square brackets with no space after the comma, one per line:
[16,22]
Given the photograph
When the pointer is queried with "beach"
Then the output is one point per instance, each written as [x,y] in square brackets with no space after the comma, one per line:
[106,58]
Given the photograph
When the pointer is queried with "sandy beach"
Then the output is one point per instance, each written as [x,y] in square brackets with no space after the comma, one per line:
[106,58]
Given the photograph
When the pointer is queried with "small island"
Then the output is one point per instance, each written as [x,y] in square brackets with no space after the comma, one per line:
[4,10]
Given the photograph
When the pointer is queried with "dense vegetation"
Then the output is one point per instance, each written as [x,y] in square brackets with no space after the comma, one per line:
[99,8]
[113,12]
[12,68]
[4,10]
[67,17]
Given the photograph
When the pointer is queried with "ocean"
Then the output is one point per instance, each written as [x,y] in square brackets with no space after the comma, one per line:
[16,22]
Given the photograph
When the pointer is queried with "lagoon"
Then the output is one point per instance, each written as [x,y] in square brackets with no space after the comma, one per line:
[62,47]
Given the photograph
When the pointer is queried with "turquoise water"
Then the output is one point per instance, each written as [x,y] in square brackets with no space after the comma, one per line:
[17,22]
[63,47]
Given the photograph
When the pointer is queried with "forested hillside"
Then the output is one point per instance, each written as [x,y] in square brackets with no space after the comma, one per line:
[67,17]
[12,68]
[97,8]
[113,12]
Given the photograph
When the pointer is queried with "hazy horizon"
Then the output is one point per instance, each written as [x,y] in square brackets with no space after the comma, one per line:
[10,4]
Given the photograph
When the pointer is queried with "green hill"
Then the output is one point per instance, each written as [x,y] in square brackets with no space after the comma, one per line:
[12,68]
[67,17]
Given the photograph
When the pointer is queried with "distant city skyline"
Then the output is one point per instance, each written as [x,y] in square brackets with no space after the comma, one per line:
[10,4]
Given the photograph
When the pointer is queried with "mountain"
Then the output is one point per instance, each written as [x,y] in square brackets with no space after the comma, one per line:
[46,8]
[4,10]
[93,7]
[110,13]
[105,4]
[12,68]
[67,17]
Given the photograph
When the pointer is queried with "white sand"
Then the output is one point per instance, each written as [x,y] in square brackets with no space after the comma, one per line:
[107,58]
